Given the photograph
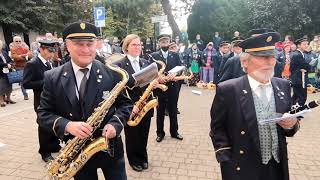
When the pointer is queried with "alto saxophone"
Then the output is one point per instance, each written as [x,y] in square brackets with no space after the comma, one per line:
[78,151]
[142,103]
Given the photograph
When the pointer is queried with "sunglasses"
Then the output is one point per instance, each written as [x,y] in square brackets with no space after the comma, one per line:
[17,41]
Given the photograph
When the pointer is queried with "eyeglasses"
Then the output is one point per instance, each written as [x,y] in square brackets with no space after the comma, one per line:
[135,45]
[17,41]
[51,50]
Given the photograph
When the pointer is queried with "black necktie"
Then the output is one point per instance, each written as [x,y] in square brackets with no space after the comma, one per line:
[48,65]
[83,84]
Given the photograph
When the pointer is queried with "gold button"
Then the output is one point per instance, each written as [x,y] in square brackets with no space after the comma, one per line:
[241,152]
[243,132]
[238,168]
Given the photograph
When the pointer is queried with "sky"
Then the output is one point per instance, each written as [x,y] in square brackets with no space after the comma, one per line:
[181,19]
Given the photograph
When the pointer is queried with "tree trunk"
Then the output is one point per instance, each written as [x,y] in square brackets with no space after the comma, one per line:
[173,24]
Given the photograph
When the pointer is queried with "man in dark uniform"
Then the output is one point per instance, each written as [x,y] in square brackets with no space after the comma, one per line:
[33,79]
[169,98]
[136,136]
[232,66]
[244,147]
[298,68]
[70,94]
[224,49]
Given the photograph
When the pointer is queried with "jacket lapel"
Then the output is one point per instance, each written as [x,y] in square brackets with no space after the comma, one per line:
[279,97]
[93,87]
[129,67]
[68,84]
[248,110]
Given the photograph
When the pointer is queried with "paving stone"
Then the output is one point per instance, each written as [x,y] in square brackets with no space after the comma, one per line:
[192,158]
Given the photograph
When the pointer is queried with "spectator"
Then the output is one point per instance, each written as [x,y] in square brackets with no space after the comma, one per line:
[285,58]
[116,46]
[5,87]
[217,41]
[20,54]
[207,63]
[193,62]
[199,42]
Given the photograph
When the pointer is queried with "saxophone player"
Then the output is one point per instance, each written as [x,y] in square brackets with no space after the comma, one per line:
[136,138]
[70,94]
[169,98]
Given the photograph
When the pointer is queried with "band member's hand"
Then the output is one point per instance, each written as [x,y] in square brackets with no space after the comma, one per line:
[172,76]
[81,130]
[155,83]
[287,123]
[135,109]
[109,131]
[9,66]
[161,79]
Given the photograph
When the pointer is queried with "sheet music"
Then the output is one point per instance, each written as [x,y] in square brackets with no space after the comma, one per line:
[177,69]
[265,121]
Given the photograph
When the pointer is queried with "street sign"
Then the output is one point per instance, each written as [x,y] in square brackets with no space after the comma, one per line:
[99,16]
[157,19]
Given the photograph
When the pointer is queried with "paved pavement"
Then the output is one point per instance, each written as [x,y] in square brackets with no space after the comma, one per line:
[190,159]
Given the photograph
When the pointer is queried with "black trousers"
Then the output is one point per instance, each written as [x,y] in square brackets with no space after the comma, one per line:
[48,142]
[168,100]
[299,95]
[113,169]
[137,141]
[272,170]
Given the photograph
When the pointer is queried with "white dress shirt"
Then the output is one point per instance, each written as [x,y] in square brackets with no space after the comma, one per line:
[165,54]
[254,84]
[44,61]
[134,63]
[79,75]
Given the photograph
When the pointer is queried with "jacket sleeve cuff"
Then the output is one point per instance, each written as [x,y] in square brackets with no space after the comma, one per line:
[59,126]
[223,154]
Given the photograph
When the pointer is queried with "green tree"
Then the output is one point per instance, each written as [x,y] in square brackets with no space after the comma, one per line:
[126,17]
[295,17]
[43,15]
[225,17]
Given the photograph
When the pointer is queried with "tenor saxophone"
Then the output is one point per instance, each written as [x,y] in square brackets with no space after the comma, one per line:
[78,151]
[142,103]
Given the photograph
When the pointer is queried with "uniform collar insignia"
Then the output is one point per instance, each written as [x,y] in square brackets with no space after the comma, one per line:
[105,94]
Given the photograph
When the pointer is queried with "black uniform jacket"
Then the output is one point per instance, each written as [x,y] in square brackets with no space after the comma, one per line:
[297,63]
[225,58]
[172,61]
[134,92]
[232,69]
[33,78]
[234,130]
[59,103]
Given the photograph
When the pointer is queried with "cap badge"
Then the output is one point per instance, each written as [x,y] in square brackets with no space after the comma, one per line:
[82,25]
[269,39]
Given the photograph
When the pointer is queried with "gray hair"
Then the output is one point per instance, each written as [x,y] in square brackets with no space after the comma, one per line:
[244,57]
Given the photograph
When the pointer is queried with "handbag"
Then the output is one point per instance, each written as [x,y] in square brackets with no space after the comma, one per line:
[15,76]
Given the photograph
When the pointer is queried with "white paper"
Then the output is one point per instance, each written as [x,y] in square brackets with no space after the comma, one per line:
[177,69]
[196,92]
[265,121]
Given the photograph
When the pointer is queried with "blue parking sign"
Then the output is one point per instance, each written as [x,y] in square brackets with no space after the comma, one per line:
[99,16]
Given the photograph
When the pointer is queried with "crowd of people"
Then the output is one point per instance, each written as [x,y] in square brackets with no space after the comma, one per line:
[69,79]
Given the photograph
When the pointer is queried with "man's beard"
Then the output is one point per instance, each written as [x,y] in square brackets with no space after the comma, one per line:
[263,76]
